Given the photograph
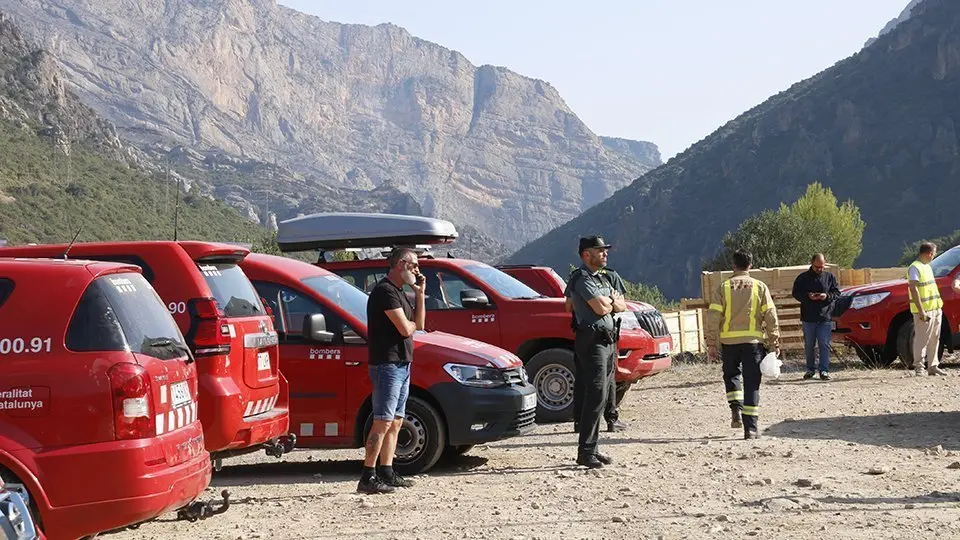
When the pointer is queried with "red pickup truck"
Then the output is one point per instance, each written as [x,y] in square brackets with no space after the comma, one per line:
[473,299]
[878,323]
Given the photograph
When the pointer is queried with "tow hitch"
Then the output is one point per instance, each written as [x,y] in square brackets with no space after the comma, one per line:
[202,510]
[281,446]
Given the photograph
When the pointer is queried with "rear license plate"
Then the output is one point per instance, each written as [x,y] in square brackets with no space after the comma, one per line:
[179,393]
[529,401]
[664,348]
[263,361]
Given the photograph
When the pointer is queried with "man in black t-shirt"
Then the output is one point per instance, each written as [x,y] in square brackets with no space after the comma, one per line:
[391,323]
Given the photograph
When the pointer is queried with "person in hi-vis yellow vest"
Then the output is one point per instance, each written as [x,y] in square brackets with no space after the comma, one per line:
[926,306]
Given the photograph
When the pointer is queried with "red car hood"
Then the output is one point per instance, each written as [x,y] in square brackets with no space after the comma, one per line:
[455,348]
[870,288]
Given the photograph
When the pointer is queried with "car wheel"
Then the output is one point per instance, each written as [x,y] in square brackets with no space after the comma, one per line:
[905,343]
[422,438]
[7,477]
[876,357]
[553,375]
[457,450]
[622,389]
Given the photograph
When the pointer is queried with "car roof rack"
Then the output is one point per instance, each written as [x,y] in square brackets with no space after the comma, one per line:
[344,230]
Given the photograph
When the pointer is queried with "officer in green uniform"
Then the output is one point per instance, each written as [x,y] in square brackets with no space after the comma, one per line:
[595,295]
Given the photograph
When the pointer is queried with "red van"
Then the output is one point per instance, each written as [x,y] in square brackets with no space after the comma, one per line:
[472,299]
[98,397]
[243,403]
[462,392]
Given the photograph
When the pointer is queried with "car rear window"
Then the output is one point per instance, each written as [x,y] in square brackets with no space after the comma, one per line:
[232,289]
[6,288]
[122,312]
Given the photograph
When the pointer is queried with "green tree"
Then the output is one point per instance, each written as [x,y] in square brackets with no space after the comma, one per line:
[841,223]
[791,234]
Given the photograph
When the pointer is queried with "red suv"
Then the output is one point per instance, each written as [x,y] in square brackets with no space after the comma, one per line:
[98,397]
[473,299]
[877,322]
[462,392]
[243,404]
[547,282]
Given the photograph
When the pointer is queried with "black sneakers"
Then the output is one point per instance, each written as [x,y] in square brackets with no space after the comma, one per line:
[397,481]
[751,434]
[824,376]
[373,485]
[808,375]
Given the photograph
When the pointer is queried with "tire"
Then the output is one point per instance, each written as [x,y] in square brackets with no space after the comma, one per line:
[457,450]
[905,344]
[553,375]
[876,357]
[622,389]
[422,440]
[9,478]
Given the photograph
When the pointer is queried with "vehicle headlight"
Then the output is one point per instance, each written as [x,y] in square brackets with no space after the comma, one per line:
[476,376]
[628,320]
[867,300]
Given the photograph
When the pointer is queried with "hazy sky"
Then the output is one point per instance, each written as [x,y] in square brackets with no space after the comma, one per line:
[666,71]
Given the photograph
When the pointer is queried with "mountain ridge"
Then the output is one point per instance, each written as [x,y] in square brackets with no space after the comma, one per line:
[878,127]
[343,105]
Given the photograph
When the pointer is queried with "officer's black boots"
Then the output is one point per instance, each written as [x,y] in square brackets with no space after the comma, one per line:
[735,420]
[750,430]
[603,458]
[616,426]
[590,461]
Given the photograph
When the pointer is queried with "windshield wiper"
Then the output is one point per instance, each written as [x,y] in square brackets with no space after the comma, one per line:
[167,342]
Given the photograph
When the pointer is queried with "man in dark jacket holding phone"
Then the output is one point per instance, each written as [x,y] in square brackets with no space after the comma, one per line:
[817,291]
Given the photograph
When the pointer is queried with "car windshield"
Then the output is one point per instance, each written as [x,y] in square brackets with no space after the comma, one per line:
[341,293]
[505,285]
[946,262]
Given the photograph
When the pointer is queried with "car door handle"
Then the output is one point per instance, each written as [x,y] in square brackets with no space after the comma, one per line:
[351,364]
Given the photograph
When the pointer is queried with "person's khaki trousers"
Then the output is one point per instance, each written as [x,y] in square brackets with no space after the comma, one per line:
[926,339]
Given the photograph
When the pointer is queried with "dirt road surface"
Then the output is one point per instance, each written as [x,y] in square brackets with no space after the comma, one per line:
[870,454]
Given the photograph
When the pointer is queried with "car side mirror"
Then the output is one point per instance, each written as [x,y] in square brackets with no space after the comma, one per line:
[315,328]
[473,298]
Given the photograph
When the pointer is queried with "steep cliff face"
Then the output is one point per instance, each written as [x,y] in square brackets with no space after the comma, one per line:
[879,128]
[344,105]
[33,92]
[63,169]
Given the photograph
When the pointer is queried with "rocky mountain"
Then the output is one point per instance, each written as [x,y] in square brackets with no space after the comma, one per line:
[63,169]
[879,128]
[904,15]
[337,105]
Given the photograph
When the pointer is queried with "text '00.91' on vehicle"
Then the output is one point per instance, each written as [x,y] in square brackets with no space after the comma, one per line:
[98,397]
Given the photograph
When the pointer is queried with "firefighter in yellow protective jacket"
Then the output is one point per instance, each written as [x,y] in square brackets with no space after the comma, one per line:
[736,319]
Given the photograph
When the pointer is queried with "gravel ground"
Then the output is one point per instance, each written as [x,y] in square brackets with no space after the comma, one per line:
[870,454]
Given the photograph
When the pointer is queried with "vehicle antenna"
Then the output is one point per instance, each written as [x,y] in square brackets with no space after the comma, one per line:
[176,211]
[70,245]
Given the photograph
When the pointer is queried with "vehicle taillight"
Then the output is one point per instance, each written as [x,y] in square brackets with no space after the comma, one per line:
[209,331]
[132,404]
